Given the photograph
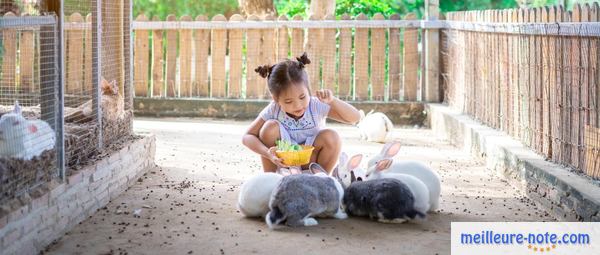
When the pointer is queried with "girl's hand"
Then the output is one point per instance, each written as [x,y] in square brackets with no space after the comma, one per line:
[325,96]
[276,160]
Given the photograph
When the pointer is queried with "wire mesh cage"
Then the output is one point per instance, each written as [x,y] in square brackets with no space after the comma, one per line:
[97,71]
[29,103]
[64,91]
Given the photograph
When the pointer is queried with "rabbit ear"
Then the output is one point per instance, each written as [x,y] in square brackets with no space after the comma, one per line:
[343,159]
[352,177]
[335,173]
[362,114]
[383,164]
[17,108]
[371,112]
[354,161]
[316,168]
[391,149]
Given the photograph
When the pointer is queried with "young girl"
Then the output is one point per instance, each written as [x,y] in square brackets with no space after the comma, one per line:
[296,116]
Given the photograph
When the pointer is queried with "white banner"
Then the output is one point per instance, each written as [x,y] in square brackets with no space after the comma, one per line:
[525,238]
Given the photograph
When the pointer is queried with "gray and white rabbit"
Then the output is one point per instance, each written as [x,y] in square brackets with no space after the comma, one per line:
[346,169]
[300,197]
[388,200]
[410,167]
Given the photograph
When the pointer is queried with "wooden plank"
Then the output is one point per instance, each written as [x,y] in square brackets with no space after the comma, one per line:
[268,52]
[88,56]
[9,71]
[171,65]
[254,83]
[537,83]
[378,53]
[594,64]
[185,59]
[432,55]
[141,60]
[158,81]
[584,88]
[312,49]
[74,58]
[546,76]
[345,78]
[283,38]
[26,61]
[553,88]
[236,40]
[592,144]
[202,44]
[297,42]
[217,57]
[411,61]
[515,82]
[395,67]
[361,61]
[329,53]
[565,81]
[575,91]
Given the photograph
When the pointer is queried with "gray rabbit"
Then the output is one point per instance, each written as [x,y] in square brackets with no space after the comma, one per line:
[300,197]
[388,200]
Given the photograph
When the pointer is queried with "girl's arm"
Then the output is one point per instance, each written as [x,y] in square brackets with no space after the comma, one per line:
[251,140]
[340,110]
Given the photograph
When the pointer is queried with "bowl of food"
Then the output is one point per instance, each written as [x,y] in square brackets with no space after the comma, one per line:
[293,154]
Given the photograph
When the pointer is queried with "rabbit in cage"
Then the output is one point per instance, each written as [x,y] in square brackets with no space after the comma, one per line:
[112,105]
[22,138]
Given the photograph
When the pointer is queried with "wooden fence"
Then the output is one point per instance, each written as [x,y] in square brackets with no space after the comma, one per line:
[357,63]
[540,89]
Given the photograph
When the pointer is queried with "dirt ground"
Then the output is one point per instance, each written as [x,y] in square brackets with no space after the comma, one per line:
[188,202]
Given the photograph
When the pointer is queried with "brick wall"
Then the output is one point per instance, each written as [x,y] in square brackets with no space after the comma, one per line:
[30,223]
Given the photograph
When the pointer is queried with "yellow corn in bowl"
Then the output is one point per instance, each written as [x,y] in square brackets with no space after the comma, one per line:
[296,158]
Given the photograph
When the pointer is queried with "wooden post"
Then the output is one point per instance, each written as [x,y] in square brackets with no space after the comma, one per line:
[141,60]
[432,62]
[171,64]
[282,41]
[254,83]
[329,56]
[378,43]
[88,80]
[411,61]
[202,43]
[217,55]
[236,40]
[395,67]
[297,39]
[158,80]
[361,62]
[74,78]
[26,58]
[313,44]
[345,71]
[185,59]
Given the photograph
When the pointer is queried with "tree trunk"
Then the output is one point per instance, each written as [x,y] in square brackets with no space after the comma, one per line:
[260,8]
[320,8]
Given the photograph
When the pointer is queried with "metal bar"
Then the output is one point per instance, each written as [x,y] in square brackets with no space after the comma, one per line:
[61,72]
[156,25]
[97,67]
[566,29]
[27,21]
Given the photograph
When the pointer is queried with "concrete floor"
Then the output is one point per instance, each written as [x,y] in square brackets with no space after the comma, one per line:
[188,202]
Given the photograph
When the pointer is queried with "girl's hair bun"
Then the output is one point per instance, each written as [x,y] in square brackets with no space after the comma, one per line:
[264,71]
[303,60]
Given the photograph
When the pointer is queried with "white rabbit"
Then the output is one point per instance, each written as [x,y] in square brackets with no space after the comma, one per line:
[300,197]
[375,126]
[253,199]
[349,171]
[410,167]
[25,139]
